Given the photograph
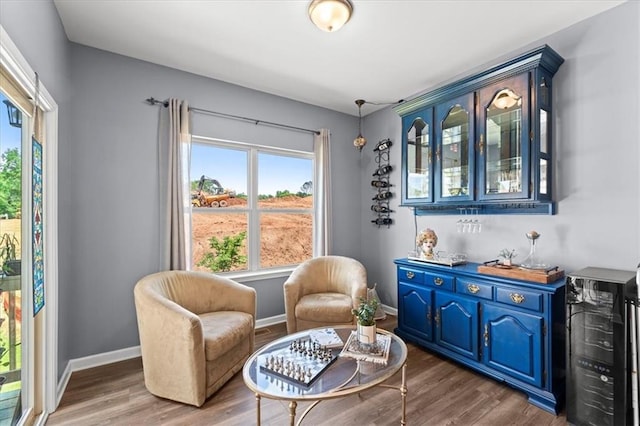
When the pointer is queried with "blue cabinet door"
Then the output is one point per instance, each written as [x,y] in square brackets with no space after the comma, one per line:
[415,315]
[417,158]
[512,343]
[503,155]
[457,324]
[455,150]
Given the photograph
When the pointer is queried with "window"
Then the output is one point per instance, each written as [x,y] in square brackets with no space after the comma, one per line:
[252,206]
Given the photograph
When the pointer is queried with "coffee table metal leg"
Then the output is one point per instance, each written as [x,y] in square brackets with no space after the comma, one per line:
[403,392]
[257,410]
[292,413]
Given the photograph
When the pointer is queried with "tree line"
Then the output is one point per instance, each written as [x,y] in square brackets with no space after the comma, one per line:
[306,190]
[10,184]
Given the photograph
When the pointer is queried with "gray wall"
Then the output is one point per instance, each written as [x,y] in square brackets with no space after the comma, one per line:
[597,170]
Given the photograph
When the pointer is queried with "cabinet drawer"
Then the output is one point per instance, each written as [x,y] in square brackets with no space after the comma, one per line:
[442,281]
[474,288]
[520,298]
[410,275]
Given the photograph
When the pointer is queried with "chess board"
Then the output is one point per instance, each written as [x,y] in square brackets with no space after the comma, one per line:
[300,363]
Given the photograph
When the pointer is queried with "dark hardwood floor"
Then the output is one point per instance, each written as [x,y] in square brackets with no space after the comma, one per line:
[441,392]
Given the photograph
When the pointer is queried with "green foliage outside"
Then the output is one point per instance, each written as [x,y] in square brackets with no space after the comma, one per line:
[10,207]
[10,183]
[283,194]
[226,253]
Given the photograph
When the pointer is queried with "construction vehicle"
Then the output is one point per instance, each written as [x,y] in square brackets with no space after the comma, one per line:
[211,194]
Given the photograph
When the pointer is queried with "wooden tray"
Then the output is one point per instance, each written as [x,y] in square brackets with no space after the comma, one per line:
[541,276]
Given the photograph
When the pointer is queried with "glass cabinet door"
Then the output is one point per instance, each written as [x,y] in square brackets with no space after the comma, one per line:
[542,185]
[417,156]
[454,151]
[503,146]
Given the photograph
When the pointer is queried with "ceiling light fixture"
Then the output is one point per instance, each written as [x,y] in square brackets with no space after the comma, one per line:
[360,141]
[330,15]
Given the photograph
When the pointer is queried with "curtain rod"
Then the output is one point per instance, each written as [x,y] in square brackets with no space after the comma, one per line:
[153,101]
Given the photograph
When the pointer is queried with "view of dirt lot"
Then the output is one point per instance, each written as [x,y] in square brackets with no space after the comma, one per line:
[286,238]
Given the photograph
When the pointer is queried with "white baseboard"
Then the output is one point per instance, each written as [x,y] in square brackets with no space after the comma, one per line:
[97,360]
[62,384]
[265,322]
[390,310]
[105,358]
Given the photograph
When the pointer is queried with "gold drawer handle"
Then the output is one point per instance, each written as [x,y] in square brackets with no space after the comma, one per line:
[410,275]
[517,298]
[438,281]
[473,289]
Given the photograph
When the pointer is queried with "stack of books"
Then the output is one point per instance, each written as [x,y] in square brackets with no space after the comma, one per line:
[377,353]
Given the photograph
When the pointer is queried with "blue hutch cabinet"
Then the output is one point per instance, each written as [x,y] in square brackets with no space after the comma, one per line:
[510,330]
[483,142]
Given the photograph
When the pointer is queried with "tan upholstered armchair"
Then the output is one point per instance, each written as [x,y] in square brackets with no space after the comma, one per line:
[322,291]
[196,332]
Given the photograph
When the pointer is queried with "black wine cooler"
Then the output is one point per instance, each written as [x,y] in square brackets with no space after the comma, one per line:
[601,347]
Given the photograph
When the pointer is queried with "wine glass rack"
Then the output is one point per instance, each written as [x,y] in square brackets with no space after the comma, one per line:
[382,185]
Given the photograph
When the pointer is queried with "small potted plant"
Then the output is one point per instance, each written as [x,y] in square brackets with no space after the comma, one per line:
[9,264]
[365,318]
[507,256]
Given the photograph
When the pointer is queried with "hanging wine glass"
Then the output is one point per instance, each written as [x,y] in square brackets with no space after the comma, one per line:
[476,226]
[460,222]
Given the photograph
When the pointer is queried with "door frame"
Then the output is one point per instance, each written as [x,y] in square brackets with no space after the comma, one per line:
[47,359]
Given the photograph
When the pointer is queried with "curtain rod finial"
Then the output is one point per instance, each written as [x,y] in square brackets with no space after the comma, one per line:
[154,101]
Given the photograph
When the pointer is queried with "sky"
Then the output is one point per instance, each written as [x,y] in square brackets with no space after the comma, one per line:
[9,135]
[229,167]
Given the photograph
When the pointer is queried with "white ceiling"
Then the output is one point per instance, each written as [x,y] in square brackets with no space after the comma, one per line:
[389,50]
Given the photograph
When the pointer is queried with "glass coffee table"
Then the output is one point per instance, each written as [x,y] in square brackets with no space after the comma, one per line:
[340,377]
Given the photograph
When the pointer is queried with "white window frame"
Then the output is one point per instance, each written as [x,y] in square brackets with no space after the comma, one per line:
[254,272]
[47,368]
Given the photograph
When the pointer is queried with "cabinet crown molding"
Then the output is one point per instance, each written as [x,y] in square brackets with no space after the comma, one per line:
[541,57]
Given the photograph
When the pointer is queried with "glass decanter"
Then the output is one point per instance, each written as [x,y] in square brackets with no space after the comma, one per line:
[533,261]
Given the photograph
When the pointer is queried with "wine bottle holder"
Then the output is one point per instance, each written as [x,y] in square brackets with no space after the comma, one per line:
[382,185]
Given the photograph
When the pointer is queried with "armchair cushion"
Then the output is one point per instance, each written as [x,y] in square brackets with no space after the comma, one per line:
[325,305]
[224,331]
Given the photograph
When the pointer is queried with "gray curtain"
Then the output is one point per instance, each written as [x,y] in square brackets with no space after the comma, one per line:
[175,204]
[322,193]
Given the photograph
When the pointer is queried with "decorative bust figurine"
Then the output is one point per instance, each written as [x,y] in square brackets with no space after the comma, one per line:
[426,241]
